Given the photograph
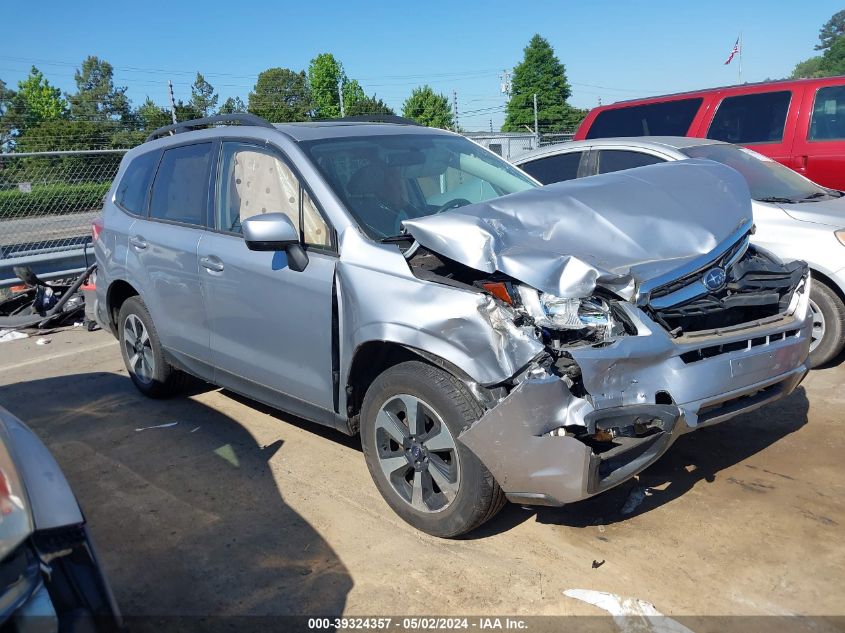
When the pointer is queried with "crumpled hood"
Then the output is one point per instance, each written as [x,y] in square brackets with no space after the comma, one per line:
[828,212]
[613,230]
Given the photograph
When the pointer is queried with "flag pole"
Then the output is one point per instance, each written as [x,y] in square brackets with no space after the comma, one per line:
[740,57]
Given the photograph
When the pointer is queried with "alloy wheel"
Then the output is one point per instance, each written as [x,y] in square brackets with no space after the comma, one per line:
[139,351]
[818,325]
[417,453]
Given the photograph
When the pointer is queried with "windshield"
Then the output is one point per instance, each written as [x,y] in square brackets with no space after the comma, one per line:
[386,179]
[768,180]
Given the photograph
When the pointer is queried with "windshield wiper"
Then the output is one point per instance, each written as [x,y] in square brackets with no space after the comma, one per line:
[777,199]
[402,237]
[814,196]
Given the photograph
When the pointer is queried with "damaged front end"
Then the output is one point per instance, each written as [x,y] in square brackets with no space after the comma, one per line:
[635,352]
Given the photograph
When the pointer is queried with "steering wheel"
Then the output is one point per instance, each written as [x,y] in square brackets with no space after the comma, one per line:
[452,204]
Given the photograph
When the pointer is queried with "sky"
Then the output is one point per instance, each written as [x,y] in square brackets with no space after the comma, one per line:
[612,50]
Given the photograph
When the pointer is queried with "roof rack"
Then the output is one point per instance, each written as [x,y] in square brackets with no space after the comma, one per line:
[187,126]
[377,118]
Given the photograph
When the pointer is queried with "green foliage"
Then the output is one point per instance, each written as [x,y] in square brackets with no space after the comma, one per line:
[96,97]
[36,101]
[151,116]
[367,105]
[280,95]
[833,60]
[232,105]
[808,69]
[58,135]
[832,30]
[53,199]
[540,73]
[428,108]
[7,96]
[203,97]
[325,73]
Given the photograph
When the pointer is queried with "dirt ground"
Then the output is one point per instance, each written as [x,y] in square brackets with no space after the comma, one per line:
[238,509]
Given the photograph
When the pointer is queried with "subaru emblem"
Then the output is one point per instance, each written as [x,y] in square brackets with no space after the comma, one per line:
[714,278]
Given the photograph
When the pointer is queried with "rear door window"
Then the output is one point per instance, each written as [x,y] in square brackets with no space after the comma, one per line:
[667,118]
[131,193]
[828,121]
[751,119]
[611,160]
[180,190]
[555,168]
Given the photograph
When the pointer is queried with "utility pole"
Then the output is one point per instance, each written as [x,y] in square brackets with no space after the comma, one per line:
[455,105]
[536,126]
[340,96]
[172,102]
[491,126]
[506,82]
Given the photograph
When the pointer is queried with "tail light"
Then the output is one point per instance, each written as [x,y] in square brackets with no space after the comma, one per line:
[96,229]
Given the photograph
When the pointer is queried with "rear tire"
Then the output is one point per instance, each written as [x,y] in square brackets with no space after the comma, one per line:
[142,352]
[828,313]
[441,487]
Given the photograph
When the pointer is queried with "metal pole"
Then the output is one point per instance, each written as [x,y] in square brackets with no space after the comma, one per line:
[340,96]
[455,103]
[172,102]
[740,57]
[536,125]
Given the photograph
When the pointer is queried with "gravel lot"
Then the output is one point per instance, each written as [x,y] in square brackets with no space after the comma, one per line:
[238,509]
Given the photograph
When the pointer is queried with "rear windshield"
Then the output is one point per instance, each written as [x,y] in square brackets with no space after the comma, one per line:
[768,180]
[386,179]
[667,118]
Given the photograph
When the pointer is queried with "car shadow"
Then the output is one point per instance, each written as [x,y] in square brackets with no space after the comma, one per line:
[694,457]
[188,518]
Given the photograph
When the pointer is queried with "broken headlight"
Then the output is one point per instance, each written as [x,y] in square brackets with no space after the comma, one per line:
[574,314]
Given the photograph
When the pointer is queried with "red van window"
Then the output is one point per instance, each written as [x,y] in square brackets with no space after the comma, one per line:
[750,119]
[665,118]
[828,122]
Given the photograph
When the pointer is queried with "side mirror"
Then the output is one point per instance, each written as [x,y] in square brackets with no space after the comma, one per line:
[275,232]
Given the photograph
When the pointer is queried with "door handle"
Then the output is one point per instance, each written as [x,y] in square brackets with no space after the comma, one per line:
[802,163]
[211,263]
[138,242]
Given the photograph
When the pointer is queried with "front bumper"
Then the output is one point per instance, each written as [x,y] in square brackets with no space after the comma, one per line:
[678,385]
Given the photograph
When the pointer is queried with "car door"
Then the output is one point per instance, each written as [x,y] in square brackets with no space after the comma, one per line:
[162,253]
[819,149]
[556,167]
[270,326]
[762,120]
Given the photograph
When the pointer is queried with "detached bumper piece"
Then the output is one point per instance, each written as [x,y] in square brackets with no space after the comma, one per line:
[537,459]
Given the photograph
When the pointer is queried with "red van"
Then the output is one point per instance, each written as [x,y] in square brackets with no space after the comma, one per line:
[800,122]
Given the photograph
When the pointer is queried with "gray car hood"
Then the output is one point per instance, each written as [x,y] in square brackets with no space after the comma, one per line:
[828,212]
[615,230]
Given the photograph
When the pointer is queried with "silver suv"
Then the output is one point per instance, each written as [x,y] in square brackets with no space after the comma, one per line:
[488,338]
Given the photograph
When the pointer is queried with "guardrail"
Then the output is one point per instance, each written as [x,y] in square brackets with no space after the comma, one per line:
[47,203]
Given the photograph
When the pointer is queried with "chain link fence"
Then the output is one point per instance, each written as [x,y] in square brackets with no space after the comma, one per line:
[48,199]
[512,145]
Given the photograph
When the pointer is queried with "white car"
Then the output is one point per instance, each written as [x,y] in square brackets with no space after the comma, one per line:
[795,217]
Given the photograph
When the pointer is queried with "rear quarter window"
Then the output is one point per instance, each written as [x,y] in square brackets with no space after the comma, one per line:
[667,118]
[749,119]
[131,193]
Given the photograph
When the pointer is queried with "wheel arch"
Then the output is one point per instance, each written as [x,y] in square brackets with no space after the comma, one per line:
[119,291]
[828,281]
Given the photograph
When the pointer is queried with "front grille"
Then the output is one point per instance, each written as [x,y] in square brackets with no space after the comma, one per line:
[717,350]
[756,288]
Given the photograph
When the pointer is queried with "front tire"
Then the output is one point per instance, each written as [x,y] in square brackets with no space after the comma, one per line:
[828,312]
[142,352]
[410,420]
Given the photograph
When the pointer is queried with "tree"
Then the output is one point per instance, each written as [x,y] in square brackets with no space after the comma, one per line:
[809,68]
[367,105]
[281,94]
[7,96]
[832,30]
[151,116]
[428,108]
[36,101]
[96,97]
[540,73]
[325,74]
[203,98]
[833,60]
[232,105]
